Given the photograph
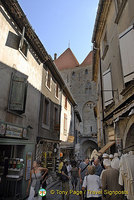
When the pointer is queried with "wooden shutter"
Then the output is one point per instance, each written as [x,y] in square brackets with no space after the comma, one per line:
[65,123]
[107,88]
[17,93]
[126,40]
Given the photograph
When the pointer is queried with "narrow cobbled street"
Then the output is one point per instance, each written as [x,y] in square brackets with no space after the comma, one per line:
[54,192]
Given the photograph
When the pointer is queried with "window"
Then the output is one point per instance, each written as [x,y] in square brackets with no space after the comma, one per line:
[65,123]
[57,90]
[23,46]
[86,71]
[73,73]
[66,102]
[107,87]
[17,95]
[55,116]
[87,87]
[67,78]
[91,128]
[119,6]
[126,41]
[46,112]
[48,79]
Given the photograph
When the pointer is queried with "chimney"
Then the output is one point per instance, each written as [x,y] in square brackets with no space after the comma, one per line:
[55,56]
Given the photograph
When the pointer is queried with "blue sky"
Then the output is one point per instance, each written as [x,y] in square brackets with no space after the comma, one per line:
[56,22]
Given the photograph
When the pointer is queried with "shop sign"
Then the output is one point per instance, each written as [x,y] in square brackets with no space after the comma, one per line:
[2,129]
[111,135]
[28,165]
[71,139]
[8,130]
[13,131]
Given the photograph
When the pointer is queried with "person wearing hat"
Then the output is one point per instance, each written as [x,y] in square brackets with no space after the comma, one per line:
[110,183]
[105,156]
[65,180]
[115,162]
[111,157]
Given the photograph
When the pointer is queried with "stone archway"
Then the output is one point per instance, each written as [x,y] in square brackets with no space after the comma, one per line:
[128,131]
[87,147]
[130,138]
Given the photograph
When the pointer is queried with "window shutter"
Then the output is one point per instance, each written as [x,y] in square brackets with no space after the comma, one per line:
[107,88]
[126,40]
[17,93]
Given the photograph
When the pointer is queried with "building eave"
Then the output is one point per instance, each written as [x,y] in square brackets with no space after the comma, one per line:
[14,10]
[102,13]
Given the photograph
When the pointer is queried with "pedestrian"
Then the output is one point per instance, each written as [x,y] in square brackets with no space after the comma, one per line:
[65,181]
[92,184]
[92,161]
[110,183]
[44,183]
[69,167]
[35,181]
[60,167]
[82,173]
[115,162]
[111,157]
[74,176]
[98,167]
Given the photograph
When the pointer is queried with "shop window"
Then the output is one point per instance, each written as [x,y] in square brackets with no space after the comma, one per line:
[17,94]
[66,102]
[104,46]
[119,7]
[65,123]
[46,112]
[48,80]
[57,90]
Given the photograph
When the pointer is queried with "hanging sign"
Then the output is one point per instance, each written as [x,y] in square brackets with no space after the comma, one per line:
[28,165]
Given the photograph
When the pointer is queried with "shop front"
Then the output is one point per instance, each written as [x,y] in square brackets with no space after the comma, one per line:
[67,148]
[16,155]
[47,152]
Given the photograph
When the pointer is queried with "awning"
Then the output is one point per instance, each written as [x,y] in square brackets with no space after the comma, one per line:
[106,147]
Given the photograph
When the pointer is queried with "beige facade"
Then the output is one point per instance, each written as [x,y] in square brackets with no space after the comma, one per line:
[31,95]
[113,70]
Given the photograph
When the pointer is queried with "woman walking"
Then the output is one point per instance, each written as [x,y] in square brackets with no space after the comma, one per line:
[74,176]
[93,185]
[35,181]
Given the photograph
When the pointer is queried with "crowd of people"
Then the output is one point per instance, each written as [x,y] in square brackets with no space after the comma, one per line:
[98,178]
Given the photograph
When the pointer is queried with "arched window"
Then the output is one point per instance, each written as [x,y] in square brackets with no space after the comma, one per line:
[73,73]
[86,71]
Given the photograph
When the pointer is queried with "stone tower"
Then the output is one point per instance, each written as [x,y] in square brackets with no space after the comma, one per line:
[78,78]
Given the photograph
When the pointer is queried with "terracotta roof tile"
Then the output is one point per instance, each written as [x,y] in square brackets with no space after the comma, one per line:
[66,60]
[88,59]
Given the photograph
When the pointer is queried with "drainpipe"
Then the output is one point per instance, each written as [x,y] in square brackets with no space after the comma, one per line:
[102,100]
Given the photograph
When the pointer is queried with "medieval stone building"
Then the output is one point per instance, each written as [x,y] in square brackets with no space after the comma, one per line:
[78,78]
